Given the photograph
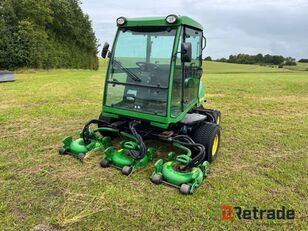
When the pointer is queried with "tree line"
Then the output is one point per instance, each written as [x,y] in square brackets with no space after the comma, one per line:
[257,59]
[46,34]
[303,60]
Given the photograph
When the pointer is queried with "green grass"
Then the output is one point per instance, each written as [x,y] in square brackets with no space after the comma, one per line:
[228,68]
[262,162]
[298,67]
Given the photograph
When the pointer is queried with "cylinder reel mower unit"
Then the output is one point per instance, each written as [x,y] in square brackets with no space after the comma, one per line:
[131,156]
[154,91]
[182,171]
[89,140]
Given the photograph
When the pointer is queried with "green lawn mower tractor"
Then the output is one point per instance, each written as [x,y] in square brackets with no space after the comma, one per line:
[153,91]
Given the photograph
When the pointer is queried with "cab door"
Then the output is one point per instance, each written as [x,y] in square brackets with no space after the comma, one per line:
[192,70]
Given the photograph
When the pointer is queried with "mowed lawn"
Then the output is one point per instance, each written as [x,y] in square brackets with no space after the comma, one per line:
[262,162]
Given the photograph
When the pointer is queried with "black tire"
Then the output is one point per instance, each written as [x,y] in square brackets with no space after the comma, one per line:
[112,135]
[185,189]
[157,179]
[208,134]
[217,116]
[63,151]
[80,156]
[105,163]
[126,170]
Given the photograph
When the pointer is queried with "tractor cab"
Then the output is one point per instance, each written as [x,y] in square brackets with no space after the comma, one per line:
[155,69]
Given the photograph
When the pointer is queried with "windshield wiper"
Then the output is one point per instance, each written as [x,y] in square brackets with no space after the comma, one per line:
[130,74]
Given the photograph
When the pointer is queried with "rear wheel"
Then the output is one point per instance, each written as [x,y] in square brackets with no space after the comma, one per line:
[157,178]
[105,163]
[80,156]
[217,116]
[108,120]
[63,151]
[208,134]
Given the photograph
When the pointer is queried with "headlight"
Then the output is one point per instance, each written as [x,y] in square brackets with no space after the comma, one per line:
[171,18]
[121,21]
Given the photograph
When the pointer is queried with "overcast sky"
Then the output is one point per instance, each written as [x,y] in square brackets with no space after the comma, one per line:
[231,26]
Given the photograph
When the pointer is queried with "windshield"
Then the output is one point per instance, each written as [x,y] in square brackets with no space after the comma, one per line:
[139,70]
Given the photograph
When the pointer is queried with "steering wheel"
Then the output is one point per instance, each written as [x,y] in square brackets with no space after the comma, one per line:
[143,66]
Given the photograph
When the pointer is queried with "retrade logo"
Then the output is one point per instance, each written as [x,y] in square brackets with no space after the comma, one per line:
[229,213]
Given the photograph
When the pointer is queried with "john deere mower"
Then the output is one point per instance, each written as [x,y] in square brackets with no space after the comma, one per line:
[153,91]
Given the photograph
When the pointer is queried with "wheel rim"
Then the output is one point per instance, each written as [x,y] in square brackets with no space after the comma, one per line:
[215,145]
[218,120]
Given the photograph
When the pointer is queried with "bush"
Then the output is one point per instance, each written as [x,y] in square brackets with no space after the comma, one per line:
[289,61]
[46,34]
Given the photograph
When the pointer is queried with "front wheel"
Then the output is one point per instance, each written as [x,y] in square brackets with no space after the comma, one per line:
[185,189]
[208,134]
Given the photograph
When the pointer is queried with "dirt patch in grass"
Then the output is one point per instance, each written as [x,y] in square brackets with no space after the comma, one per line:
[42,227]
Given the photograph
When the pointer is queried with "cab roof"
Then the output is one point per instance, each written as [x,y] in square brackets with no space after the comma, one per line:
[161,21]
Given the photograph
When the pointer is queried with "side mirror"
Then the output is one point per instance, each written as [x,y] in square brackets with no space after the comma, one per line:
[203,42]
[105,50]
[199,73]
[186,52]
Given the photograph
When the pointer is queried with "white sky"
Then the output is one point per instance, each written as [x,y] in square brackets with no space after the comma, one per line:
[231,26]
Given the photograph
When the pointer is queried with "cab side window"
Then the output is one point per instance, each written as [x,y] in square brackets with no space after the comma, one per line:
[192,69]
[177,94]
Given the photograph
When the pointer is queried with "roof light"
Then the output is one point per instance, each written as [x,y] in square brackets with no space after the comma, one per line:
[121,21]
[171,18]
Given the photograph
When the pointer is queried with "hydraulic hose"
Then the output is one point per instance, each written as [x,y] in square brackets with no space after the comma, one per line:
[137,155]
[188,142]
[86,136]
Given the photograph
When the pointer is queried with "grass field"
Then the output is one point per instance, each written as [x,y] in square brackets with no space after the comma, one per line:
[262,162]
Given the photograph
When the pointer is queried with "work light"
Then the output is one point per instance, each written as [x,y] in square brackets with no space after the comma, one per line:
[121,21]
[171,18]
